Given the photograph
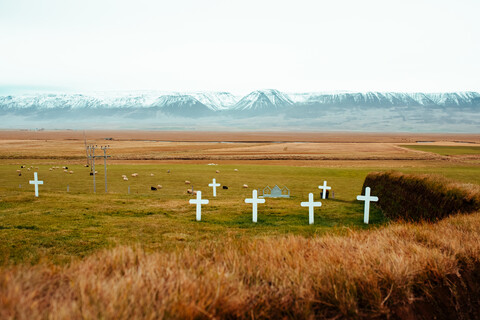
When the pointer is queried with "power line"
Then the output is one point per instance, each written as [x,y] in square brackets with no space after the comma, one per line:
[91,155]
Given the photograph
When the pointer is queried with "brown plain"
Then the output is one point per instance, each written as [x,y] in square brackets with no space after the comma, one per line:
[260,147]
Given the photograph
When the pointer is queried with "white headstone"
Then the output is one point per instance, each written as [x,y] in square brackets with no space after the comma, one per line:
[214,185]
[199,201]
[367,198]
[325,188]
[310,204]
[254,201]
[36,182]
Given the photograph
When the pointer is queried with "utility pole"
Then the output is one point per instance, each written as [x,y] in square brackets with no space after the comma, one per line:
[86,147]
[104,148]
[91,155]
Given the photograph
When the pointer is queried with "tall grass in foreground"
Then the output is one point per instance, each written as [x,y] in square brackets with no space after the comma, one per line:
[421,197]
[398,270]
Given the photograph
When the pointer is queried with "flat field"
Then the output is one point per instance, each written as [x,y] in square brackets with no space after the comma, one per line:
[447,150]
[60,226]
[196,147]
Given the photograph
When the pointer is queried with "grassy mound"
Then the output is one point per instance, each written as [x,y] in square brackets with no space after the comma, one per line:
[421,197]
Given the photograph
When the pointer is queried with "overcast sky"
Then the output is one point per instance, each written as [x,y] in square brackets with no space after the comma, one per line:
[239,46]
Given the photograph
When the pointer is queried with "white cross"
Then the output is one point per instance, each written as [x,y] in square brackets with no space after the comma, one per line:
[367,198]
[199,201]
[214,185]
[254,201]
[310,204]
[325,188]
[36,182]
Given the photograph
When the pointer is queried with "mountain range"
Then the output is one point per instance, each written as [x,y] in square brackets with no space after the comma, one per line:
[376,111]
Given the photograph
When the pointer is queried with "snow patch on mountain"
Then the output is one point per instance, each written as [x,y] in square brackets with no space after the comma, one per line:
[216,101]
[387,98]
[264,100]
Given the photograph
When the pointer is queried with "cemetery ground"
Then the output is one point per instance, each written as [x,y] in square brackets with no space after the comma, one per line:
[142,254]
[60,224]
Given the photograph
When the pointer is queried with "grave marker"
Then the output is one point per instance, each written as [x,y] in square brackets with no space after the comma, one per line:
[276,192]
[199,201]
[254,201]
[36,182]
[214,185]
[367,198]
[311,205]
[325,188]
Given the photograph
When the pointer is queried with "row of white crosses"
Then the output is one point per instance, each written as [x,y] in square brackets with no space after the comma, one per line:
[254,200]
[311,204]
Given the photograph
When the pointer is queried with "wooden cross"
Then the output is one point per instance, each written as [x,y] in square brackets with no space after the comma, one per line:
[254,201]
[311,205]
[325,188]
[367,198]
[36,182]
[214,185]
[199,201]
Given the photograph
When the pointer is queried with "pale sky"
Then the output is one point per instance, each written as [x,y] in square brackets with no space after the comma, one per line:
[239,46]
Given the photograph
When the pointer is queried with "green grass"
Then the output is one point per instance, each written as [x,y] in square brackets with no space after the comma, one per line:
[59,225]
[446,150]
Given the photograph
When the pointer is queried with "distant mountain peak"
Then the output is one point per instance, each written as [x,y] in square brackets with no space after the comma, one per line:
[264,101]
[456,111]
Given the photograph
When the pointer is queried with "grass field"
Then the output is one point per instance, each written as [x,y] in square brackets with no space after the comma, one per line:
[447,150]
[60,225]
[81,255]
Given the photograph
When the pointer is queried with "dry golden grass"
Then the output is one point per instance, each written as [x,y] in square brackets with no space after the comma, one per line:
[257,136]
[210,151]
[208,146]
[389,271]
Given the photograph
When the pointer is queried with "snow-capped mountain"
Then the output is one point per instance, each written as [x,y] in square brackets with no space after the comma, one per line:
[272,100]
[455,111]
[185,105]
[216,101]
[371,99]
[263,101]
